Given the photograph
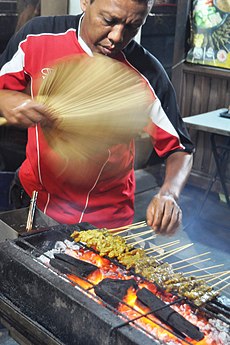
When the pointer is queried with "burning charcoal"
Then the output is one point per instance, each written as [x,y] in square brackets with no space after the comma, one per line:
[112,291]
[76,262]
[62,266]
[168,315]
[69,265]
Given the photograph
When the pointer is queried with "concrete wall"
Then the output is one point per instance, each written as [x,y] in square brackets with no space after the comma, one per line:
[74,7]
[53,7]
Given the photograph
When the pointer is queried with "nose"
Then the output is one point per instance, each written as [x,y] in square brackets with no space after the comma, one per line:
[116,34]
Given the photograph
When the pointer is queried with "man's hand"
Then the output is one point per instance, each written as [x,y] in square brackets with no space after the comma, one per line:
[19,109]
[164,215]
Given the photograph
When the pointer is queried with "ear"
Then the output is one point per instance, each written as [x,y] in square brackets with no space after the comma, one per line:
[84,4]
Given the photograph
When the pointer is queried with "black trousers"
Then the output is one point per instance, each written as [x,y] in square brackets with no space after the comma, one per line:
[18,196]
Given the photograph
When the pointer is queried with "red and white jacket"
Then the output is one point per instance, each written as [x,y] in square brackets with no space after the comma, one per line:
[106,198]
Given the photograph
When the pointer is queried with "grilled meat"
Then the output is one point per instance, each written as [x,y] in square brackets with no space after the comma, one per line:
[149,267]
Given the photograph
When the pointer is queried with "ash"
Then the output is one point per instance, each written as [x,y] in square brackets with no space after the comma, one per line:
[59,247]
[224,300]
[216,331]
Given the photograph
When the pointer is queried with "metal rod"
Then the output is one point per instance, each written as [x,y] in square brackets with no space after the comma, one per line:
[30,218]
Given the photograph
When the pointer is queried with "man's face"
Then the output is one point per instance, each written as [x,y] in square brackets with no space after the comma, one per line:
[109,25]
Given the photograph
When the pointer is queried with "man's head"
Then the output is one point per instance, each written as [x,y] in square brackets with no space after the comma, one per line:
[109,25]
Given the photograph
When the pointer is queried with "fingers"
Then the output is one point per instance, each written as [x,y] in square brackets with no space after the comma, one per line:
[29,113]
[19,109]
[25,114]
[164,215]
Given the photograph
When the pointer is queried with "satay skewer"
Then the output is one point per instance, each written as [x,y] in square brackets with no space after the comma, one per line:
[174,251]
[211,275]
[217,276]
[138,234]
[157,249]
[203,269]
[143,239]
[191,264]
[190,258]
[153,249]
[134,227]
[221,281]
[224,287]
[127,227]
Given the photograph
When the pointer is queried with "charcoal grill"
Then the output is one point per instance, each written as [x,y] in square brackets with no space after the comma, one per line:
[43,307]
[33,299]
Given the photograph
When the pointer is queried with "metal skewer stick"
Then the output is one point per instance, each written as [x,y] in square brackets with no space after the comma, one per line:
[30,218]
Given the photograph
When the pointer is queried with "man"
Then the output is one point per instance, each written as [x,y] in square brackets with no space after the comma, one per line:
[106,27]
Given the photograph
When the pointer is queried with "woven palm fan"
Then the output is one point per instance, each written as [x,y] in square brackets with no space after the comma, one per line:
[97,102]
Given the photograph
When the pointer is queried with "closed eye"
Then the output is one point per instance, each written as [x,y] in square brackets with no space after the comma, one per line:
[110,21]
